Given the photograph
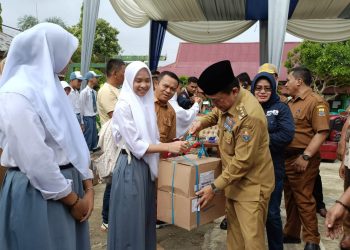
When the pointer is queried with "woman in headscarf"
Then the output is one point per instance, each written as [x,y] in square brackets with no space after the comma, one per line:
[281,131]
[47,194]
[132,222]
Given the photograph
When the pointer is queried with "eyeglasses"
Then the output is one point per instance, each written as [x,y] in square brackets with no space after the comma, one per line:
[261,88]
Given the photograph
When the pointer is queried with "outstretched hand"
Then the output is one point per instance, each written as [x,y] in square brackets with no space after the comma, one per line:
[334,221]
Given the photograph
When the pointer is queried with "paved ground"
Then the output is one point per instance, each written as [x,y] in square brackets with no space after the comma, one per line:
[210,236]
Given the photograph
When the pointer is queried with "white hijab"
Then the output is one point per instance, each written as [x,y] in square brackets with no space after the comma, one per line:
[35,58]
[143,112]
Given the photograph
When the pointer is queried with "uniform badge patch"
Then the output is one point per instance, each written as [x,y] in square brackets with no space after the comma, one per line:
[321,112]
[241,112]
[246,136]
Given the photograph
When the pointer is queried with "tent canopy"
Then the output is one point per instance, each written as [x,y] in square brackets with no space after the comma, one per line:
[210,21]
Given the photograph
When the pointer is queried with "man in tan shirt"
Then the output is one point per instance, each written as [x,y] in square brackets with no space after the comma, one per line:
[107,97]
[247,176]
[311,118]
[166,117]
[108,94]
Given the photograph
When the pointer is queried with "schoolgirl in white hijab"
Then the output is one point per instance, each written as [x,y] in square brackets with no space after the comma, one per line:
[132,216]
[42,203]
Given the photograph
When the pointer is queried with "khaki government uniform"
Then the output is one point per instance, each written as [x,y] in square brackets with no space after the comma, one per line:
[107,97]
[166,120]
[248,175]
[311,115]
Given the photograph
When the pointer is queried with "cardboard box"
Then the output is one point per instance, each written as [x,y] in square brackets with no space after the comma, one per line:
[176,191]
[185,174]
[184,209]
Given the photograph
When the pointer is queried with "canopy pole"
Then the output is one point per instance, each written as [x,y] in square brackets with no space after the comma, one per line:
[157,34]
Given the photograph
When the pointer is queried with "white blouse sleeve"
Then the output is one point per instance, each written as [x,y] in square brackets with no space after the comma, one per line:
[186,117]
[25,143]
[123,125]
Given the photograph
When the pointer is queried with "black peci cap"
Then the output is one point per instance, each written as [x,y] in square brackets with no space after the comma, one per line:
[216,77]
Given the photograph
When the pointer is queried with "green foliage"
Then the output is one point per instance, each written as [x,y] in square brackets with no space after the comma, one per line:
[105,44]
[184,80]
[26,22]
[56,20]
[329,62]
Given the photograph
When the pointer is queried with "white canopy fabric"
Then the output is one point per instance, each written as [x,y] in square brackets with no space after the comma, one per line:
[209,21]
[203,17]
[208,32]
[278,13]
[90,13]
[320,30]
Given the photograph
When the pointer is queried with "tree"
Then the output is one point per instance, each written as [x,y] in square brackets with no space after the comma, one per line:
[26,22]
[105,43]
[56,20]
[329,63]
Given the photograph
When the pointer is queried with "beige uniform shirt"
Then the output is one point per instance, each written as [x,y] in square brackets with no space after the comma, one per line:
[311,115]
[244,146]
[166,121]
[107,97]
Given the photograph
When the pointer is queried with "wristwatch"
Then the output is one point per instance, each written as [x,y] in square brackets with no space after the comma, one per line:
[215,189]
[306,157]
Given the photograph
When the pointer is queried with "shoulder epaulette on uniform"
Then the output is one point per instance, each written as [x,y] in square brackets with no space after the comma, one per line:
[241,112]
[318,97]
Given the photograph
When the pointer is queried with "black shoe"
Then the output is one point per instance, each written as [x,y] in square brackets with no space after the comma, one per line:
[291,240]
[96,149]
[160,224]
[312,246]
[223,224]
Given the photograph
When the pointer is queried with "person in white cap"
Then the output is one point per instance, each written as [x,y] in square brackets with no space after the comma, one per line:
[89,109]
[75,80]
[66,87]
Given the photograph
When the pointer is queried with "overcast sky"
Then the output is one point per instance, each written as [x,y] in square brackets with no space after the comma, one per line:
[134,41]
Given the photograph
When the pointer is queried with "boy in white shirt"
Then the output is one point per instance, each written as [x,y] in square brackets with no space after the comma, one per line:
[75,80]
[89,109]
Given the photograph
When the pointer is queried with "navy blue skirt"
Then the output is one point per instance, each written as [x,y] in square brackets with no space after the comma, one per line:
[29,222]
[132,214]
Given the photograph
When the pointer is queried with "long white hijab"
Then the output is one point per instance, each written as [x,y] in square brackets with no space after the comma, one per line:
[143,112]
[35,58]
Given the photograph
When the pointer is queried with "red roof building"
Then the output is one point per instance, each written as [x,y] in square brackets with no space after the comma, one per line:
[193,58]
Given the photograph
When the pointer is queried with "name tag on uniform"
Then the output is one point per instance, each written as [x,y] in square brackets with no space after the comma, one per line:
[229,123]
[228,137]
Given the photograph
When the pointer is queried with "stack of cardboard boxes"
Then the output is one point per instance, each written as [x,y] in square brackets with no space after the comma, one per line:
[177,201]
